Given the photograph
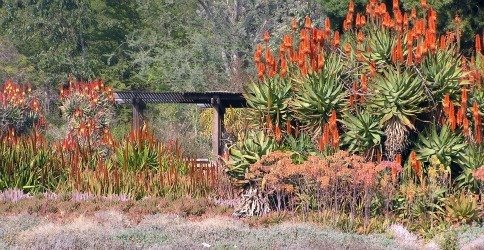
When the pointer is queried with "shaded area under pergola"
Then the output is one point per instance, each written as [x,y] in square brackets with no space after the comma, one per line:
[217,100]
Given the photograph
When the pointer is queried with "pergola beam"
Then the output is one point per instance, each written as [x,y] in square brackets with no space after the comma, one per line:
[219,101]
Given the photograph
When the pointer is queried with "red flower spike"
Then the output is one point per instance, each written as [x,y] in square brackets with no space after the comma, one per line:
[283,71]
[477,122]
[423,3]
[307,22]
[294,24]
[409,56]
[327,25]
[351,6]
[320,61]
[415,163]
[452,121]
[398,159]
[446,104]
[360,36]
[267,37]
[278,133]
[336,39]
[364,84]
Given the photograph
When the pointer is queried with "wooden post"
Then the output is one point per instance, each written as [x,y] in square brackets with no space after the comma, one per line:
[217,127]
[138,107]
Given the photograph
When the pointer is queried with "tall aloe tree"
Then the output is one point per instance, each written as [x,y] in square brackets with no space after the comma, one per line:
[398,97]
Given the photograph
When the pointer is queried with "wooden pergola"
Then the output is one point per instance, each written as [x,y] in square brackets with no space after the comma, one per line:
[218,100]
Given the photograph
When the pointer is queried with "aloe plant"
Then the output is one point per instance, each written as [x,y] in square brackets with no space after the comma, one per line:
[318,94]
[380,43]
[247,152]
[447,146]
[472,160]
[363,132]
[442,72]
[462,209]
[270,98]
[398,97]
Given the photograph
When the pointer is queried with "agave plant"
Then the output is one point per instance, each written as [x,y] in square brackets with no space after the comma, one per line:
[442,73]
[362,133]
[474,159]
[447,146]
[318,94]
[398,97]
[247,152]
[270,98]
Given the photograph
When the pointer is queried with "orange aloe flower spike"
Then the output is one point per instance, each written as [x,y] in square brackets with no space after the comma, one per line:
[351,6]
[423,3]
[294,24]
[267,37]
[360,36]
[278,133]
[288,127]
[446,104]
[307,22]
[336,39]
[409,55]
[452,121]
[283,71]
[395,4]
[327,25]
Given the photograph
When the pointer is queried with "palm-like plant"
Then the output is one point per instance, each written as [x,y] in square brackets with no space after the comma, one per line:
[362,133]
[447,146]
[442,72]
[318,94]
[398,97]
[248,152]
[270,98]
